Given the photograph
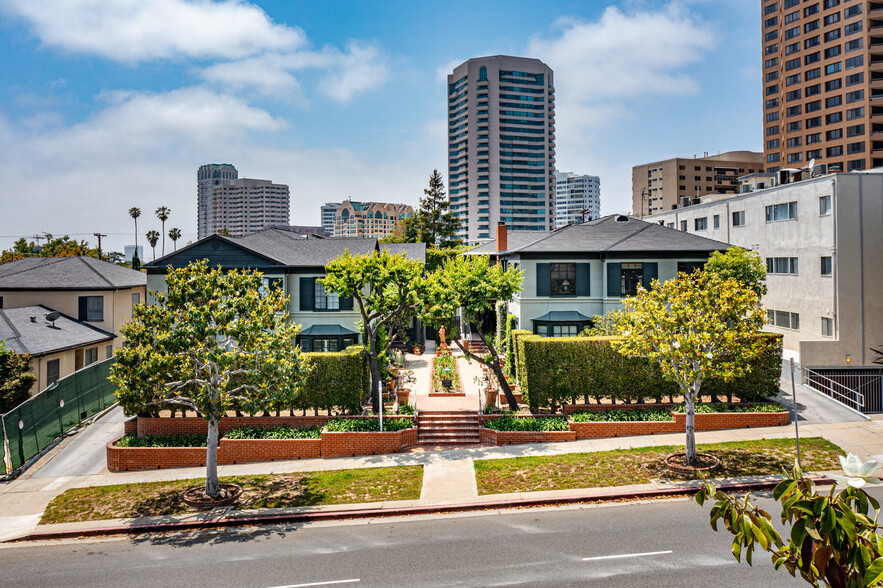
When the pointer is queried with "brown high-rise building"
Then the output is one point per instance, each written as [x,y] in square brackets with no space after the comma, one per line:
[658,186]
[822,61]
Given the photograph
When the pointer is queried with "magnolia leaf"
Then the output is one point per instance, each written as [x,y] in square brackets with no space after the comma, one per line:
[874,575]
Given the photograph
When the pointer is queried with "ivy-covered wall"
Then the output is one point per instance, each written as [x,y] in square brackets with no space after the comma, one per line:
[555,370]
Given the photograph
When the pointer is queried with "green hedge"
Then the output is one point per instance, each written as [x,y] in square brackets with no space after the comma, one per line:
[514,423]
[163,441]
[518,350]
[555,370]
[282,432]
[337,381]
[638,414]
[718,407]
[368,425]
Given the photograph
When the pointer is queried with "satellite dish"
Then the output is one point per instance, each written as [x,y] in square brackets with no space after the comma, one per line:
[52,317]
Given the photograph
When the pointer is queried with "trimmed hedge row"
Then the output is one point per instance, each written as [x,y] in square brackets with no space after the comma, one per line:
[514,423]
[337,380]
[555,370]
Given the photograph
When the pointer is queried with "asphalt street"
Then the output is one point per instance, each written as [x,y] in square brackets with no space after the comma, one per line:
[666,543]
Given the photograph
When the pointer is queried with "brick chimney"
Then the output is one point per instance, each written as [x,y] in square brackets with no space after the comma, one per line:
[502,237]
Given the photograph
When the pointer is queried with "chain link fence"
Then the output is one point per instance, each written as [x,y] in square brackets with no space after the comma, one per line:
[33,425]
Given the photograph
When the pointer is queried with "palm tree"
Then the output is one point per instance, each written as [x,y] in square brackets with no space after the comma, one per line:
[162,213]
[135,212]
[174,235]
[153,238]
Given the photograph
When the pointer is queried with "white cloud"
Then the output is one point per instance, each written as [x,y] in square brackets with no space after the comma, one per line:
[360,68]
[140,30]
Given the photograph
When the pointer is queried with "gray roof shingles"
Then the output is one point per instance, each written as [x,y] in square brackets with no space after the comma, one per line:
[514,240]
[40,337]
[67,273]
[606,234]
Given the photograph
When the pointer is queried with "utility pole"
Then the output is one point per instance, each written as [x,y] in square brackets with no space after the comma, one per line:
[99,235]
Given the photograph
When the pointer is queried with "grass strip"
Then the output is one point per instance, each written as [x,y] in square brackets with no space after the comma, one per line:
[262,491]
[641,465]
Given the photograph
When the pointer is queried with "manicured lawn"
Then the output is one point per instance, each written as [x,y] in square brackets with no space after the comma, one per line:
[641,465]
[265,491]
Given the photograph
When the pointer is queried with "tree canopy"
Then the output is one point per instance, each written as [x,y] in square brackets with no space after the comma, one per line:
[473,284]
[388,290]
[742,264]
[213,343]
[698,326]
[15,378]
[54,247]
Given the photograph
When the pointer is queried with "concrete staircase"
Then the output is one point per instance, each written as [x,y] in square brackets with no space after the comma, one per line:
[448,428]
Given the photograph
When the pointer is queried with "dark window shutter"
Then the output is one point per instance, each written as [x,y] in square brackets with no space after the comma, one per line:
[346,303]
[651,272]
[544,277]
[307,291]
[614,279]
[305,341]
[83,313]
[582,279]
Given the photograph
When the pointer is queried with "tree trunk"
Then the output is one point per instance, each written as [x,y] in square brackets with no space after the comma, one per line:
[689,398]
[211,457]
[495,366]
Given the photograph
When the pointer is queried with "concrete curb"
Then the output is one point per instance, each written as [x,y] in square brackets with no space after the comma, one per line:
[275,519]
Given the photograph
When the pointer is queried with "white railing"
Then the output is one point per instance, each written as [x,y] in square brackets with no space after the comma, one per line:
[851,397]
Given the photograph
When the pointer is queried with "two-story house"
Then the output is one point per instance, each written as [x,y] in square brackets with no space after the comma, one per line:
[577,272]
[89,290]
[293,263]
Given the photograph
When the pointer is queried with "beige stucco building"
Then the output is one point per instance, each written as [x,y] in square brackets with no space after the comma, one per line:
[658,186]
[369,219]
[822,241]
[92,291]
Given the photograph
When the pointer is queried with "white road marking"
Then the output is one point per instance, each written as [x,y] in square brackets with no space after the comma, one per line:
[319,583]
[624,555]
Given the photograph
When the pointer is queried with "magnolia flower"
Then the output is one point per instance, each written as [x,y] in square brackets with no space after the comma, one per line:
[709,355]
[857,473]
[676,344]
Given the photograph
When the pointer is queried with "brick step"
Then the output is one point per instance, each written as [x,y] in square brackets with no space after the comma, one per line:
[449,421]
[448,437]
[449,444]
[468,432]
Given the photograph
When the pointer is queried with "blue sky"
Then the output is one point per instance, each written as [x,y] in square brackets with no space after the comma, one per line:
[112,104]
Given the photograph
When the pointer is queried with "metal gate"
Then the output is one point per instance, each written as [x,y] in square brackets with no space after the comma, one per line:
[858,388]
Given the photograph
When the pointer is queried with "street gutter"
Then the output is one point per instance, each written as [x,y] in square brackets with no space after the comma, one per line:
[328,515]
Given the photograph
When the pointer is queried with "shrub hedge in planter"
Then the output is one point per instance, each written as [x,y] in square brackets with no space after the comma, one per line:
[701,408]
[553,370]
[337,380]
[368,425]
[283,432]
[518,351]
[514,423]
[640,414]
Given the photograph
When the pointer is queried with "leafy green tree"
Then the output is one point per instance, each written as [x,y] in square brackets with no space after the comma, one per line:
[214,343]
[174,235]
[152,238]
[833,538]
[435,223]
[742,264]
[471,283]
[15,378]
[162,213]
[54,247]
[388,290]
[697,327]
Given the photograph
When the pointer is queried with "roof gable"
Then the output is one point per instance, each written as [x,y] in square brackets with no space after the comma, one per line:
[67,273]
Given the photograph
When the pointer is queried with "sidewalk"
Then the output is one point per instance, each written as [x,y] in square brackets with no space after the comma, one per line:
[448,475]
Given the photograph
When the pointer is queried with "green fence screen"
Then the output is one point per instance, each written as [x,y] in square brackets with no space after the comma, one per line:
[33,425]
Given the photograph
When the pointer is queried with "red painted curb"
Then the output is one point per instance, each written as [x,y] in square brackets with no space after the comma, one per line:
[378,512]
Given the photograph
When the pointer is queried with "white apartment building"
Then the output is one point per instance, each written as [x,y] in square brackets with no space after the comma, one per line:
[245,206]
[577,198]
[329,212]
[822,242]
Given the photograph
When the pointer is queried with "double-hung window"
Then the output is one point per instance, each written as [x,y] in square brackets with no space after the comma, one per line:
[780,212]
[91,308]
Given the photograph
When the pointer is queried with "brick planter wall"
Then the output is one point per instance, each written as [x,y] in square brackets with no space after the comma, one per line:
[494,437]
[716,421]
[345,444]
[199,426]
[595,430]
[126,459]
[252,450]
[130,427]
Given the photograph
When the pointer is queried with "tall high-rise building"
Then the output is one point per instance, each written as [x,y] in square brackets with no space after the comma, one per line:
[329,211]
[245,206]
[577,198]
[501,145]
[207,177]
[660,185]
[822,65]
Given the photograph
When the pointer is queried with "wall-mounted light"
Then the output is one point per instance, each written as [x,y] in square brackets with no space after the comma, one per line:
[848,359]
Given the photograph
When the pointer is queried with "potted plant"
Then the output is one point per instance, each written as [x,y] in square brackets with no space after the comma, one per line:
[417,350]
